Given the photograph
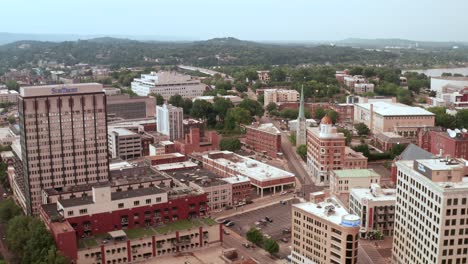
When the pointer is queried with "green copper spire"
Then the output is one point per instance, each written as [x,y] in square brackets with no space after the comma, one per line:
[301,105]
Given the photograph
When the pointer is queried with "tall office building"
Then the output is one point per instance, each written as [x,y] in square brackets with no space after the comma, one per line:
[170,121]
[301,131]
[63,138]
[324,232]
[431,218]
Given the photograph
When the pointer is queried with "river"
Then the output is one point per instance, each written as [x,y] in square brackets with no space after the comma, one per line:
[438,71]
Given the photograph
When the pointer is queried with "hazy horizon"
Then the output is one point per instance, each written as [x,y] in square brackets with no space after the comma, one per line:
[262,20]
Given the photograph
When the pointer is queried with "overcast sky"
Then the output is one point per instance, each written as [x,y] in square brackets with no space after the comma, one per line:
[274,20]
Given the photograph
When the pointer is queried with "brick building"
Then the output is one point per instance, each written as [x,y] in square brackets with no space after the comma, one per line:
[194,143]
[452,143]
[106,227]
[264,138]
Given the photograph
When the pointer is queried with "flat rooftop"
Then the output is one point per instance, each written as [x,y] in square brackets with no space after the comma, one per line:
[176,165]
[365,193]
[122,131]
[235,180]
[268,128]
[249,167]
[434,165]
[199,176]
[356,173]
[335,215]
[114,196]
[395,109]
[61,89]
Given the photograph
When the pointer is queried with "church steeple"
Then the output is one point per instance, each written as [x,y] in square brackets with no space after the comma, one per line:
[301,105]
[301,122]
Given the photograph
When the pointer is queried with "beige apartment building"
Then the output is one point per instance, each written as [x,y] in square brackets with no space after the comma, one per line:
[63,138]
[342,181]
[431,220]
[393,117]
[279,95]
[324,233]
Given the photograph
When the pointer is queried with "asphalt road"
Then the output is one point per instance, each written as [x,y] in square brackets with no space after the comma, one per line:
[294,162]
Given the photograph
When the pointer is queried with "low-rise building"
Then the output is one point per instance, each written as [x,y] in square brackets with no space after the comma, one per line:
[376,208]
[387,140]
[168,84]
[345,113]
[165,158]
[292,125]
[241,189]
[342,181]
[263,76]
[354,159]
[235,100]
[265,138]
[451,143]
[130,226]
[362,88]
[279,96]
[124,144]
[194,143]
[393,117]
[262,176]
[324,232]
[8,96]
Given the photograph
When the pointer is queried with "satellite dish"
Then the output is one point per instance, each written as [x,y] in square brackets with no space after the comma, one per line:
[451,133]
[464,130]
[457,130]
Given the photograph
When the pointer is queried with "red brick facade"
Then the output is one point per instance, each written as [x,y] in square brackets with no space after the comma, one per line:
[455,147]
[266,141]
[193,143]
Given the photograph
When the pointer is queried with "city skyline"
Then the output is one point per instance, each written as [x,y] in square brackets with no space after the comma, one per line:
[258,21]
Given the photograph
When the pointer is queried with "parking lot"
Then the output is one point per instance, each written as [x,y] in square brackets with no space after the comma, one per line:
[280,215]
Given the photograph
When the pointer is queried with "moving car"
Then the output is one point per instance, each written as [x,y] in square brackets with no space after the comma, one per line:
[231,223]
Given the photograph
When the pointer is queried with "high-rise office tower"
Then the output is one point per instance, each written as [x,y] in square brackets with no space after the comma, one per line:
[63,138]
[431,216]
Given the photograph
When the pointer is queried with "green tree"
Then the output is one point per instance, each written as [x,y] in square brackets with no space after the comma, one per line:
[277,75]
[231,144]
[292,139]
[347,135]
[363,148]
[159,98]
[362,129]
[271,107]
[254,107]
[255,236]
[289,113]
[187,106]
[241,87]
[261,99]
[8,210]
[302,151]
[443,119]
[319,113]
[397,149]
[271,246]
[221,106]
[462,118]
[176,100]
[12,85]
[332,114]
[201,109]
[11,119]
[236,116]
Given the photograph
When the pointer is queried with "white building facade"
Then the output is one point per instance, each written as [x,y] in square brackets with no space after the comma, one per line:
[168,84]
[169,121]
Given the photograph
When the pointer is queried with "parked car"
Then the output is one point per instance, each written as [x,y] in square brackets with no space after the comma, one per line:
[268,219]
[285,239]
[226,232]
[225,221]
[286,231]
[246,245]
[229,224]
[283,193]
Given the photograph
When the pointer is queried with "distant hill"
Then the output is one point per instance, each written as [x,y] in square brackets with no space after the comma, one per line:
[403,43]
[125,52]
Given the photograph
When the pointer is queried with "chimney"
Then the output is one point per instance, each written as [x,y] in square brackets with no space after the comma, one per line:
[371,122]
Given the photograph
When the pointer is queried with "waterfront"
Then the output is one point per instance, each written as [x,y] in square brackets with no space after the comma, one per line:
[436,72]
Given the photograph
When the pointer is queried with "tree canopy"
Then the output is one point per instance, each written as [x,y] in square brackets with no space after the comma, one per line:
[271,246]
[362,129]
[230,144]
[255,236]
